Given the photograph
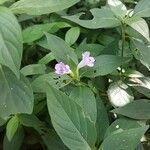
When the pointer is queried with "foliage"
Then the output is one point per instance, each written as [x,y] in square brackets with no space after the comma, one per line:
[74,74]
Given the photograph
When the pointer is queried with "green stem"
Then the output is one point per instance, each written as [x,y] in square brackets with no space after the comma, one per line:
[123,46]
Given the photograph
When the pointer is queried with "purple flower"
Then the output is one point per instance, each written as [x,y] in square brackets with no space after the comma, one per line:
[61,69]
[87,60]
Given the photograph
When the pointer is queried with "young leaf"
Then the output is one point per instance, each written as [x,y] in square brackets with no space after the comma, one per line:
[142,8]
[69,121]
[119,94]
[39,7]
[16,95]
[10,41]
[33,69]
[16,142]
[12,127]
[102,18]
[84,97]
[72,35]
[117,7]
[140,25]
[35,32]
[61,50]
[104,65]
[123,140]
[138,109]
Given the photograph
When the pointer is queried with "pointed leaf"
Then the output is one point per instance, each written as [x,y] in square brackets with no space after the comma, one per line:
[69,121]
[10,41]
[39,7]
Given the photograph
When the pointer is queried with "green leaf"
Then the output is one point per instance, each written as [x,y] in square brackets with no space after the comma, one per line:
[102,18]
[85,98]
[69,121]
[16,142]
[3,1]
[94,49]
[61,50]
[102,120]
[117,7]
[105,64]
[140,25]
[72,35]
[2,122]
[49,136]
[35,32]
[16,95]
[10,41]
[47,58]
[138,109]
[123,140]
[119,94]
[40,83]
[33,69]
[39,7]
[142,8]
[12,127]
[142,52]
[122,124]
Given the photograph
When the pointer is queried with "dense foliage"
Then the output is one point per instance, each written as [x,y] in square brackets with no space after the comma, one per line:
[74,74]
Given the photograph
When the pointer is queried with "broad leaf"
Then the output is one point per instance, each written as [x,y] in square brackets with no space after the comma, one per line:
[69,121]
[39,7]
[47,58]
[61,50]
[140,25]
[123,140]
[119,94]
[10,41]
[84,97]
[117,7]
[16,95]
[72,35]
[138,109]
[102,18]
[35,32]
[142,8]
[105,64]
[123,124]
